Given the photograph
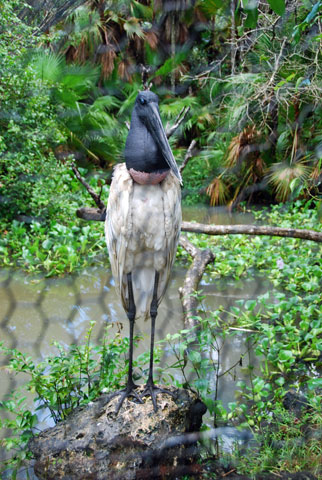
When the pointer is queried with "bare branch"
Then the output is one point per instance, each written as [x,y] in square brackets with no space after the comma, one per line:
[277,64]
[201,258]
[87,213]
[94,195]
[180,118]
[187,156]
[252,230]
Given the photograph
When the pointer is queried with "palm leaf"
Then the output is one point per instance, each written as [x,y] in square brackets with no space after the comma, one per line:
[106,102]
[80,78]
[48,66]
[217,191]
[282,174]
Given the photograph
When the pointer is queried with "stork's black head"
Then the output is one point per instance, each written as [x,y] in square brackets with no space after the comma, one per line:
[143,102]
[147,139]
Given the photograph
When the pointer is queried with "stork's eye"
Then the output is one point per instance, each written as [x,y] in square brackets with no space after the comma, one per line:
[142,101]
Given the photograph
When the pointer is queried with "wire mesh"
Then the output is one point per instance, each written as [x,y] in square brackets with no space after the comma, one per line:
[36,311]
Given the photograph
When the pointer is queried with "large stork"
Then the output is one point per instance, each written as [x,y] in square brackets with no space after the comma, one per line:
[142,227]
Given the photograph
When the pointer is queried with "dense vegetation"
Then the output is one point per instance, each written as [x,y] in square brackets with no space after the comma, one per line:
[250,72]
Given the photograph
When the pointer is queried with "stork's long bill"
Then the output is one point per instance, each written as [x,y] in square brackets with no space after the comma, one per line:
[154,125]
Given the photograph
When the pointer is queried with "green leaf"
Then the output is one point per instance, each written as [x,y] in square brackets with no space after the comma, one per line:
[194,356]
[47,244]
[278,6]
[143,10]
[251,19]
[313,12]
[285,355]
[280,381]
[250,305]
[170,64]
[314,383]
[201,384]
[210,7]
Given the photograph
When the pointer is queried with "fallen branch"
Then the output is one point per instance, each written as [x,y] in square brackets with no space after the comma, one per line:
[201,258]
[252,230]
[88,213]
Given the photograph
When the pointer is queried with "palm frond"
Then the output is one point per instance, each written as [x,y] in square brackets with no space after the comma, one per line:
[282,174]
[249,136]
[48,66]
[217,191]
[132,27]
[80,78]
[106,102]
[107,61]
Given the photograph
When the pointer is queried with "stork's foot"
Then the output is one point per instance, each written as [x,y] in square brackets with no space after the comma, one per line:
[152,391]
[128,392]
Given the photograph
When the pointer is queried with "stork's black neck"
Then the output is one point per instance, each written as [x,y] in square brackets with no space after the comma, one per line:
[141,151]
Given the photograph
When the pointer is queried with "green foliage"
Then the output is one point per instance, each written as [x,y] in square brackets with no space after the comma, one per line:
[60,383]
[56,242]
[278,6]
[288,443]
[28,127]
[282,326]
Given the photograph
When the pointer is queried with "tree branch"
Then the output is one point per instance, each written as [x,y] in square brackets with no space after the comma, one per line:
[201,258]
[187,156]
[94,195]
[180,118]
[252,230]
[88,213]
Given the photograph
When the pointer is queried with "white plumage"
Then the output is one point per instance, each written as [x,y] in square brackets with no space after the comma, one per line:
[142,231]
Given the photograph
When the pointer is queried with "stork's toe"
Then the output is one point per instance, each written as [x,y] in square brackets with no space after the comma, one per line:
[128,392]
[152,390]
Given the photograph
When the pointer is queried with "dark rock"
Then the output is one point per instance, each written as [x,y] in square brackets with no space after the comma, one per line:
[94,443]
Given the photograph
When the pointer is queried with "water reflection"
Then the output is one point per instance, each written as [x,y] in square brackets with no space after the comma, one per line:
[216,215]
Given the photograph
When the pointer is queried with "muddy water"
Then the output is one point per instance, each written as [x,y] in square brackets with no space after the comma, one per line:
[35,312]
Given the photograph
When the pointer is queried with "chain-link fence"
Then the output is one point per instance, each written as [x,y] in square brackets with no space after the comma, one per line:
[36,311]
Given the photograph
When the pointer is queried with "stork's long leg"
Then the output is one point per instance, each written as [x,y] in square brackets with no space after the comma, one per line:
[150,388]
[153,313]
[131,316]
[129,390]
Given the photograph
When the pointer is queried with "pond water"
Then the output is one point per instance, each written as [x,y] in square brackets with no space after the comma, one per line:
[35,312]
